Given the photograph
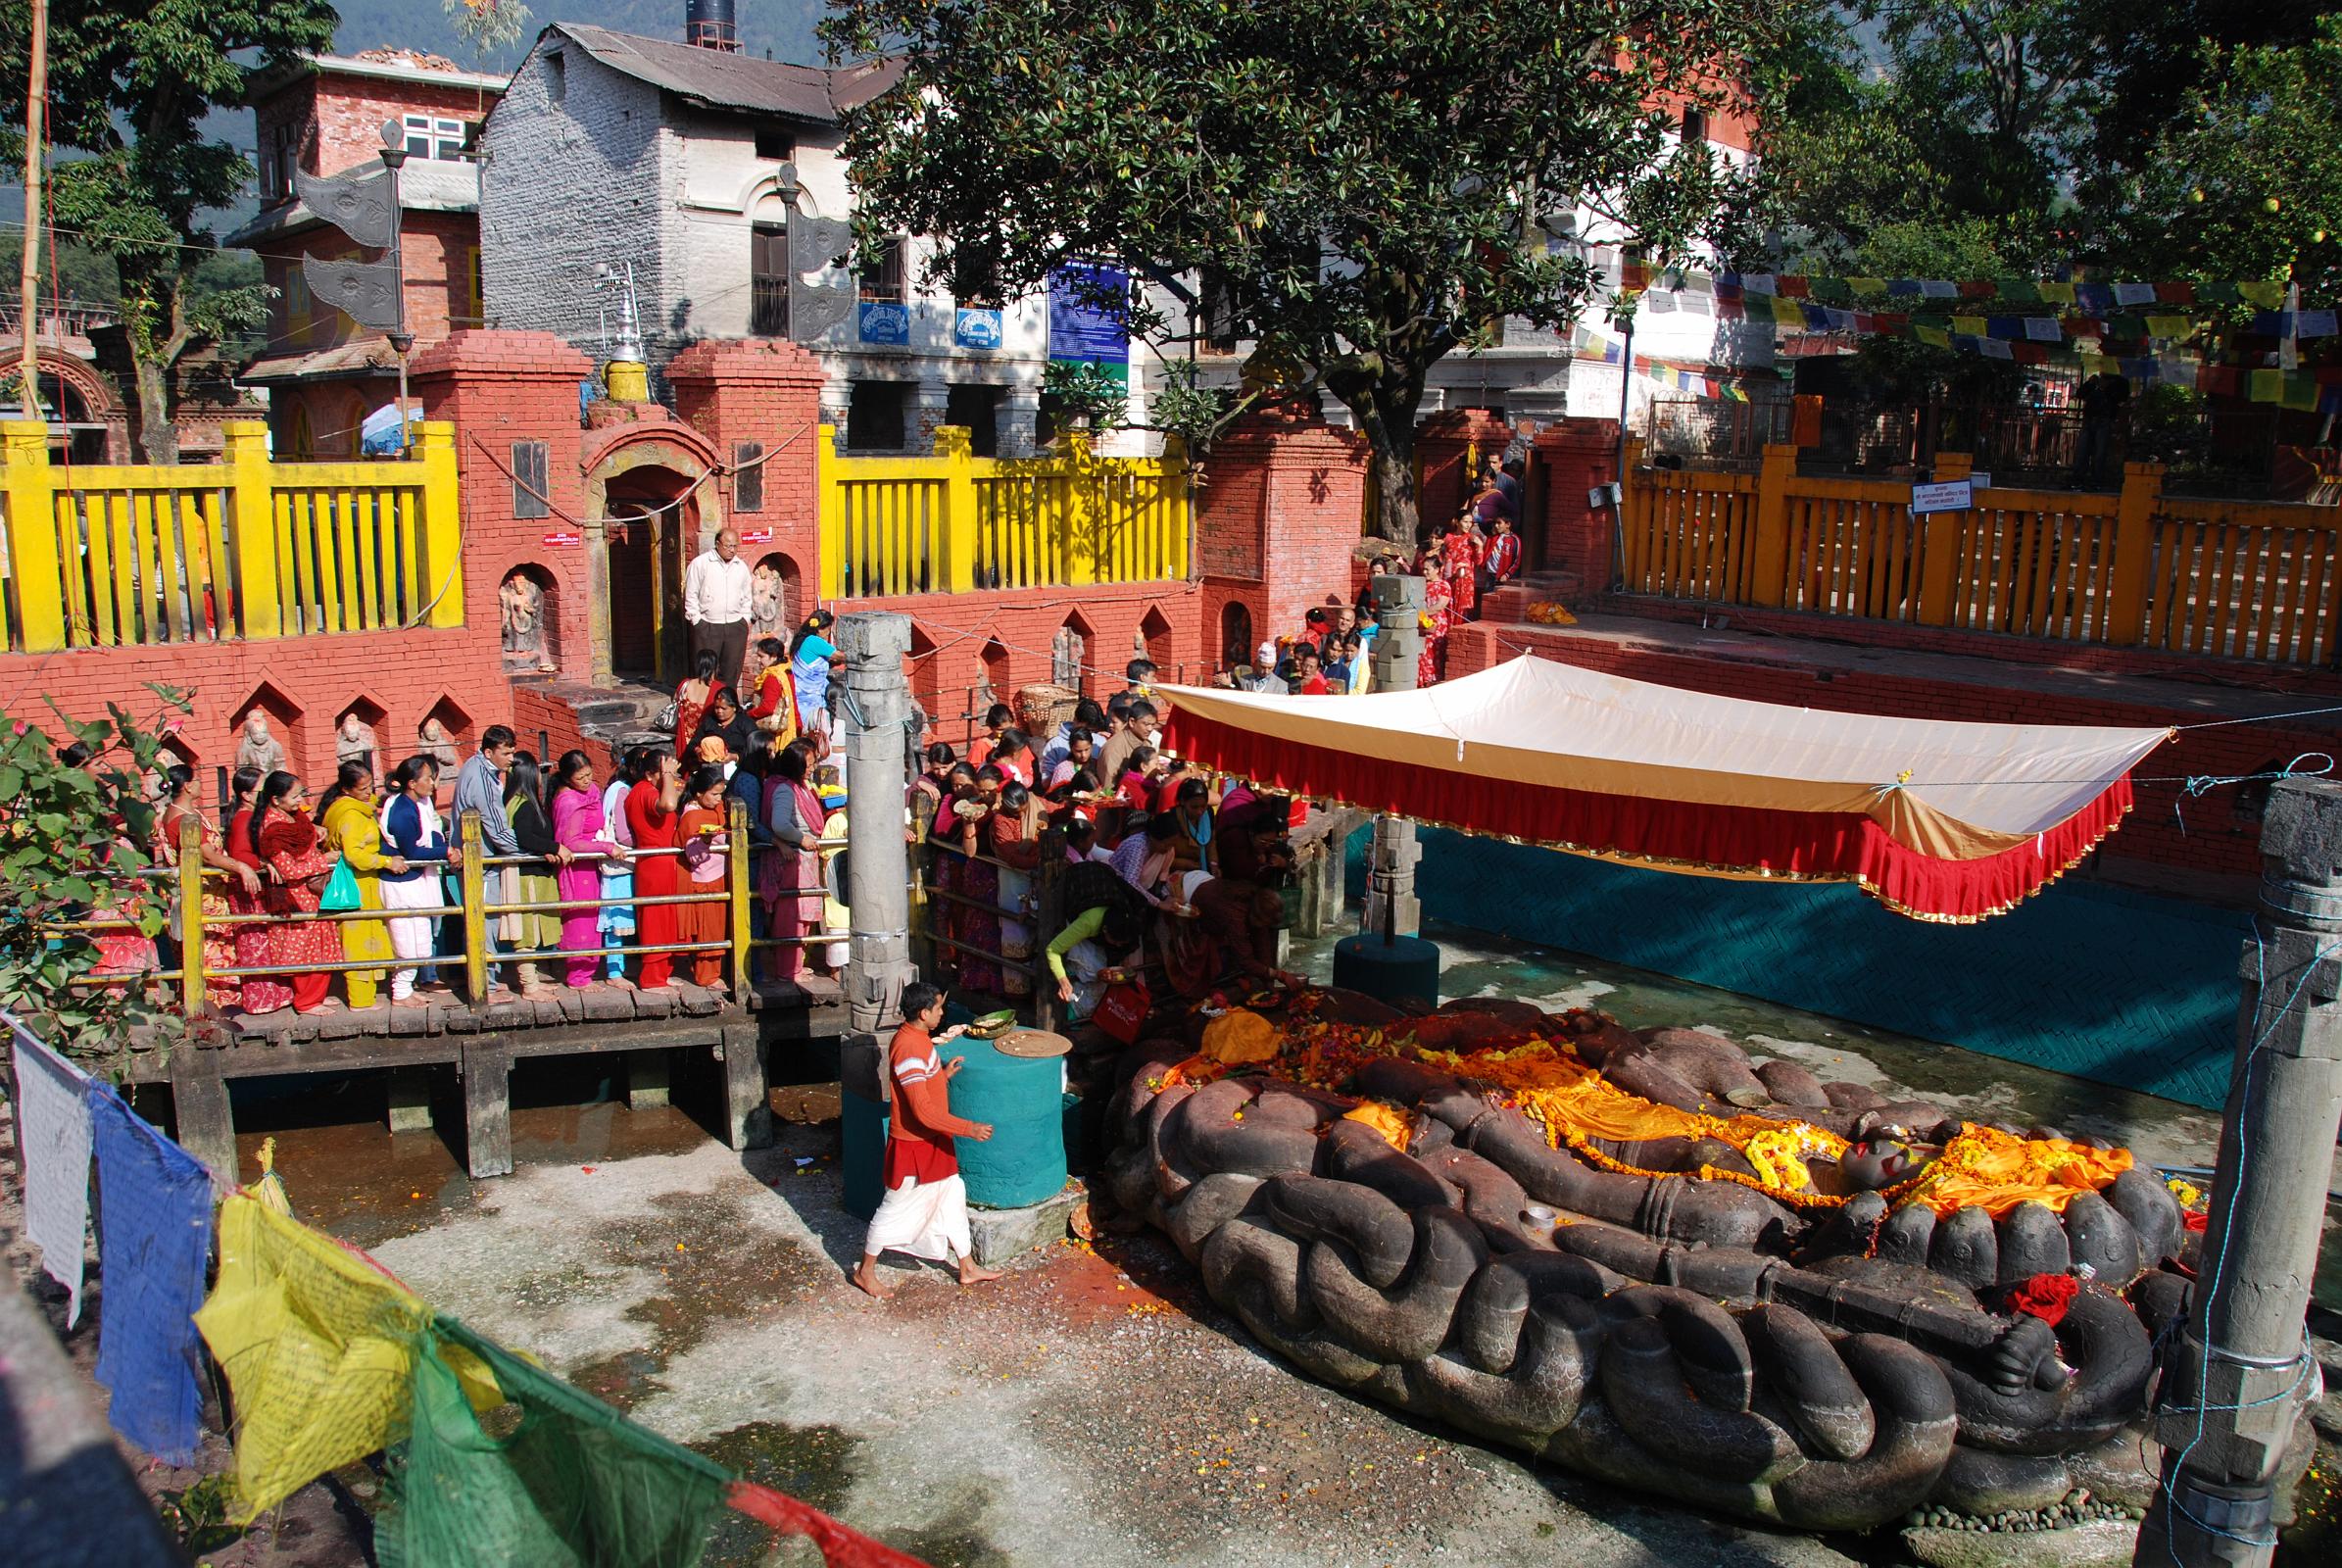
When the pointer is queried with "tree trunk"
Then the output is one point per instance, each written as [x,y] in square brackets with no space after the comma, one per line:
[157,434]
[1386,416]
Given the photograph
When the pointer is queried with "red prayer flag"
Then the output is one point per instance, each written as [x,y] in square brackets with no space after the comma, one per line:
[1791,286]
[841,1546]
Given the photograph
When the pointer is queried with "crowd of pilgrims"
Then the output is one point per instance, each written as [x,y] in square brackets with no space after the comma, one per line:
[658,827]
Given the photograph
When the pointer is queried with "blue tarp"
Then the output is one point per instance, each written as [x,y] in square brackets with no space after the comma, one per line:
[154,1239]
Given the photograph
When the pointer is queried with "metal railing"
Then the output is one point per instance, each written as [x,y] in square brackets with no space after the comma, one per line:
[188,982]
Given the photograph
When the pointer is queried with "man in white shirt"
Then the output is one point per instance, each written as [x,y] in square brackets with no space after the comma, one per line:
[716,602]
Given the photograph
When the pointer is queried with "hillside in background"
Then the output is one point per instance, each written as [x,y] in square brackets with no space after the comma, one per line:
[785,27]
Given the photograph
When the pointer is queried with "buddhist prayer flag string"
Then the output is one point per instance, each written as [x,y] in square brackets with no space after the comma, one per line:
[153,1243]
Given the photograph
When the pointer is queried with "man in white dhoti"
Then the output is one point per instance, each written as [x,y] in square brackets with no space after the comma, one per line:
[925,1212]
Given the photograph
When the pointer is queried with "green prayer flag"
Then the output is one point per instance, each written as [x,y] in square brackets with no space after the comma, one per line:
[573,1485]
[2215,294]
[2020,291]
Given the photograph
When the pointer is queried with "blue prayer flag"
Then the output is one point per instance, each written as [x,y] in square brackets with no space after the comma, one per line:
[154,1238]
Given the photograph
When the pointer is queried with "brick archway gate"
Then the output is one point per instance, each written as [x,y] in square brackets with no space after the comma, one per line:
[650,506]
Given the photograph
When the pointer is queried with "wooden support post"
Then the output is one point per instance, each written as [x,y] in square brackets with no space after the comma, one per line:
[487,1069]
[742,1052]
[960,509]
[474,877]
[206,1124]
[442,524]
[1937,534]
[737,886]
[1770,569]
[2134,552]
[189,893]
[32,550]
[258,604]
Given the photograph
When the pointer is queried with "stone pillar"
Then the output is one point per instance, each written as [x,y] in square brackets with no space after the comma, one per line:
[874,722]
[2230,1404]
[1391,855]
[930,408]
[837,400]
[1020,414]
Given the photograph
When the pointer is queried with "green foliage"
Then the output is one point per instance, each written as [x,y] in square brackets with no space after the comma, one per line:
[80,273]
[489,27]
[69,844]
[1195,413]
[197,1515]
[1376,182]
[130,84]
[1090,394]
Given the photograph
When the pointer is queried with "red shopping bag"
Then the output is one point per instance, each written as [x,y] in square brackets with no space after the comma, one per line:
[1122,1012]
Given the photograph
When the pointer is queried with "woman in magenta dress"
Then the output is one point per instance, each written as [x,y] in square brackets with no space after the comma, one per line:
[579,827]
[790,879]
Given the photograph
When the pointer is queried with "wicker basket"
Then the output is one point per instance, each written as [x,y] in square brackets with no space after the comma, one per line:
[1041,709]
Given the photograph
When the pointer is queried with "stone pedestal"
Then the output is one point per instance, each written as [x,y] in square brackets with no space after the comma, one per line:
[1390,903]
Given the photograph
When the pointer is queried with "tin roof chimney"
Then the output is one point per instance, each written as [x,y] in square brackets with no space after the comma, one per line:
[709,25]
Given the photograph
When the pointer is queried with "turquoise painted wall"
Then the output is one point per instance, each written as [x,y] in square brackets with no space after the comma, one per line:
[2095,982]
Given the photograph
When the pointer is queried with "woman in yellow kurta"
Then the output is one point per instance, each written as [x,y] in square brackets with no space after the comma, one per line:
[351,830]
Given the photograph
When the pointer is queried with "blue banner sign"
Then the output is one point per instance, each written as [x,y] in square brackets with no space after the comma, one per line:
[977,328]
[1089,314]
[885,322]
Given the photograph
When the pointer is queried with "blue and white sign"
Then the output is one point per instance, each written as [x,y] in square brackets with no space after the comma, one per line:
[883,322]
[1090,314]
[975,328]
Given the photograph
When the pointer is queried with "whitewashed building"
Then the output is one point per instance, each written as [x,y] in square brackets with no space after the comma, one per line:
[688,162]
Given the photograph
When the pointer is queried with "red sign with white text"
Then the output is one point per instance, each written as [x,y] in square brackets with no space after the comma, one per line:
[755,536]
[560,537]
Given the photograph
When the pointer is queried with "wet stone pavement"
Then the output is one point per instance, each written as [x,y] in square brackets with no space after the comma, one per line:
[1090,1408]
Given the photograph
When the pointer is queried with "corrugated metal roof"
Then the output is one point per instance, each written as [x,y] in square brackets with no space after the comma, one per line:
[717,79]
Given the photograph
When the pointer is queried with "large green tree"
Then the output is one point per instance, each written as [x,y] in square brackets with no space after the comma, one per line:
[1369,186]
[129,85]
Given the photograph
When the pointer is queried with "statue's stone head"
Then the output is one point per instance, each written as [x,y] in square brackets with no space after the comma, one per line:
[1880,1162]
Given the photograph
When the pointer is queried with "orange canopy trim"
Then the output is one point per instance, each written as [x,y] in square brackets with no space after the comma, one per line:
[1939,822]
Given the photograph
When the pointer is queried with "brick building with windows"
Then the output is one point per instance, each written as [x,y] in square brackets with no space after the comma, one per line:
[690,162]
[325,115]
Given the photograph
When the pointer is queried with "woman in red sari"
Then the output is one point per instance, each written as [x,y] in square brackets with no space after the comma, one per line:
[287,840]
[1462,552]
[790,882]
[690,702]
[220,941]
[653,818]
[262,993]
[1437,618]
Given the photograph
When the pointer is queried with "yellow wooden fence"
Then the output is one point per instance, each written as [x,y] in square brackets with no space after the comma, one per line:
[112,555]
[956,523]
[2137,569]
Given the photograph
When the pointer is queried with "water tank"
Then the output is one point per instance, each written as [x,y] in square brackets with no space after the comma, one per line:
[710,25]
[1024,1099]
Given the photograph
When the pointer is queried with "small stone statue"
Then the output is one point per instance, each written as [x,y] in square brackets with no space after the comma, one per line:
[768,613]
[353,740]
[259,749]
[522,603]
[433,741]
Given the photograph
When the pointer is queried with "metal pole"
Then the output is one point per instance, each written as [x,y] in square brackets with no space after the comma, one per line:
[36,94]
[877,708]
[2241,1374]
[1390,903]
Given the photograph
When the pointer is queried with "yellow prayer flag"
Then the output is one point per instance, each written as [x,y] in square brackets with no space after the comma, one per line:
[2263,292]
[2055,293]
[318,1348]
[2171,327]
[1972,326]
[2268,386]
[1934,335]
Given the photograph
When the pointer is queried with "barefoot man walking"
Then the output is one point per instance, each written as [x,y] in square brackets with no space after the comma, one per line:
[925,1212]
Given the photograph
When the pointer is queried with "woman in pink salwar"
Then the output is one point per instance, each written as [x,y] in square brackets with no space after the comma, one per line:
[791,884]
[578,826]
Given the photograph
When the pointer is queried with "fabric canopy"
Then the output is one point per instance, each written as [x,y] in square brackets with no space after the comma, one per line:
[1939,821]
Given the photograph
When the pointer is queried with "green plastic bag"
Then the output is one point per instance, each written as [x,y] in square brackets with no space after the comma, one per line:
[341,891]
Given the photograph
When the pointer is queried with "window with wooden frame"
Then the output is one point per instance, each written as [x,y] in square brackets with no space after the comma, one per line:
[888,280]
[748,476]
[769,279]
[531,471]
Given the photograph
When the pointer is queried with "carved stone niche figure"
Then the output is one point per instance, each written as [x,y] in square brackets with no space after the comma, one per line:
[433,741]
[521,604]
[768,611]
[353,740]
[258,748]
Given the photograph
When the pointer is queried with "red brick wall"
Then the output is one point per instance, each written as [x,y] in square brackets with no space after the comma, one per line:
[542,719]
[1573,456]
[1447,447]
[349,112]
[305,683]
[500,388]
[1277,523]
[2215,841]
[771,393]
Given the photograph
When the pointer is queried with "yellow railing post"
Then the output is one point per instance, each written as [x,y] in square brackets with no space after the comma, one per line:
[736,836]
[190,897]
[1078,541]
[33,556]
[829,512]
[251,530]
[1177,492]
[953,450]
[2134,552]
[1768,535]
[1937,535]
[442,524]
[476,916]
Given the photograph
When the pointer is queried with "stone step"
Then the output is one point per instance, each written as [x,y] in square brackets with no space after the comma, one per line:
[1511,601]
